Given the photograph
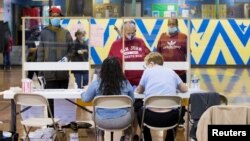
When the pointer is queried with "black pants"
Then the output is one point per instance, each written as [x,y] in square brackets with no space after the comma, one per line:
[158,120]
[56,84]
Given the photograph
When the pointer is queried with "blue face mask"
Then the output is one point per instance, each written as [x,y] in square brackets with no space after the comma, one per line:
[172,30]
[55,21]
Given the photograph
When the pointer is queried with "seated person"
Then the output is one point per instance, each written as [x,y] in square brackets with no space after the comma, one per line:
[110,81]
[151,84]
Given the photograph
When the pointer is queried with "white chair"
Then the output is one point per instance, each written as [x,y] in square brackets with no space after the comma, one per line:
[163,102]
[112,102]
[30,99]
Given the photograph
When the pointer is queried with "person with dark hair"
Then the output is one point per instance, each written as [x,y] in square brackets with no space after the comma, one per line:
[55,45]
[111,81]
[7,46]
[134,50]
[80,54]
[166,82]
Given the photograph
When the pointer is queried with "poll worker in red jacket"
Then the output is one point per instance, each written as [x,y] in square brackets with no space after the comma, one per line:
[134,50]
[173,46]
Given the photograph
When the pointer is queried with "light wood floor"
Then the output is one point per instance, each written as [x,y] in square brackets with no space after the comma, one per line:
[233,83]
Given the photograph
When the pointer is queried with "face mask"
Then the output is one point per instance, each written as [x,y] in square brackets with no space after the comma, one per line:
[37,34]
[192,11]
[55,21]
[83,39]
[172,30]
[130,37]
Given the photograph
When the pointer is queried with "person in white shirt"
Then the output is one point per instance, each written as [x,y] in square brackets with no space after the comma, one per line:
[159,80]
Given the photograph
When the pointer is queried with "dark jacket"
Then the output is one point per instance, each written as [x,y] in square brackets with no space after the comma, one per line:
[54,45]
[30,43]
[76,57]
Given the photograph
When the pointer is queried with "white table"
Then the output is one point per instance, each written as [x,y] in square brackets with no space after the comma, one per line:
[50,93]
[76,93]
[66,94]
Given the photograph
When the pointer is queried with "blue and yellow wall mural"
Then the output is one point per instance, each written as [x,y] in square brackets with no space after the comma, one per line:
[220,42]
[147,29]
[212,41]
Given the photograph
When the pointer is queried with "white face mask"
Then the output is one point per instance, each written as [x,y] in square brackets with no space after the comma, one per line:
[192,11]
[83,39]
[172,30]
[130,37]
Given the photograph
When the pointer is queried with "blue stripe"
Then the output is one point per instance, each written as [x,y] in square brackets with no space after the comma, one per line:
[221,59]
[106,32]
[203,27]
[192,61]
[95,56]
[192,27]
[219,30]
[65,21]
[92,21]
[248,62]
[233,80]
[208,81]
[150,38]
[244,37]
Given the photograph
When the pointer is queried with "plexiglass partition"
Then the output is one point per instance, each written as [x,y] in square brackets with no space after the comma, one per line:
[104,37]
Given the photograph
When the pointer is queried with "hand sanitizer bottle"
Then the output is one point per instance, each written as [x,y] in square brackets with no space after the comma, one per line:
[195,82]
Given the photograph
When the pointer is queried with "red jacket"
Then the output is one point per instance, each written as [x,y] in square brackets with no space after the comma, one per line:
[8,48]
[173,48]
[134,50]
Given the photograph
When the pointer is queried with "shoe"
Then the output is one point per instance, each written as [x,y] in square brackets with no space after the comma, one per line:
[83,125]
[136,138]
[122,138]
[181,126]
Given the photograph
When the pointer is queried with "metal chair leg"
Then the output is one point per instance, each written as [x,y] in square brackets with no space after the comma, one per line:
[111,136]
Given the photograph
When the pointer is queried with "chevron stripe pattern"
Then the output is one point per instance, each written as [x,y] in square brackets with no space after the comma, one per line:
[212,41]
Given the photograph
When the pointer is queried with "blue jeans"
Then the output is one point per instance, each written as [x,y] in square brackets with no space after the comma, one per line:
[6,59]
[82,78]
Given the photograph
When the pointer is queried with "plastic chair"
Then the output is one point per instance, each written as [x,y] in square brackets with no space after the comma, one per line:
[199,103]
[30,99]
[112,102]
[165,102]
